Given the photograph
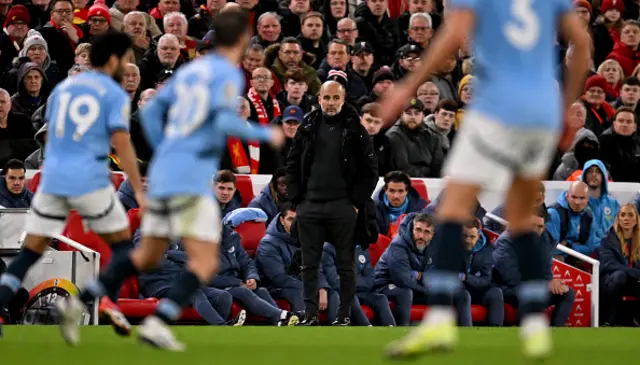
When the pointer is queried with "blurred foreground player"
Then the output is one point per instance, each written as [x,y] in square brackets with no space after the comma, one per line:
[87,114]
[511,133]
[200,102]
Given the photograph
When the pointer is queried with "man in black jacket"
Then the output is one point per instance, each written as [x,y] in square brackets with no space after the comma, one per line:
[331,173]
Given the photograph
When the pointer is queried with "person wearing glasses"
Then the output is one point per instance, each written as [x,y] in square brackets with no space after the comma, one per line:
[61,34]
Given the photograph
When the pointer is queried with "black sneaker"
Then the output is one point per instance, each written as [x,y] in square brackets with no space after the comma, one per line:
[290,320]
[346,321]
[312,321]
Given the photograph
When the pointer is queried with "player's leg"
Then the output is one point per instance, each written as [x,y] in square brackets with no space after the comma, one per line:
[476,160]
[46,218]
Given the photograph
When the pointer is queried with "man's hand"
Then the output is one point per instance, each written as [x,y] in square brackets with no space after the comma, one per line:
[557,287]
[251,284]
[70,31]
[356,209]
[277,137]
[141,42]
[324,300]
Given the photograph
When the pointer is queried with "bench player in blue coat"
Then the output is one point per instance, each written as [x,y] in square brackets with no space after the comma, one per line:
[200,105]
[87,114]
[510,134]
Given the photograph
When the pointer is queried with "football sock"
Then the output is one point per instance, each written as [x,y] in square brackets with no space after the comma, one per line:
[448,257]
[533,294]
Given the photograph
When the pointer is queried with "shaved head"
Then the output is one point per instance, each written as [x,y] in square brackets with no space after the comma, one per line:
[578,196]
[331,98]
[4,93]
[230,7]
[332,86]
[5,105]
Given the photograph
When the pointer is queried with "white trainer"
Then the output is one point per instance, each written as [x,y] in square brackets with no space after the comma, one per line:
[71,311]
[156,333]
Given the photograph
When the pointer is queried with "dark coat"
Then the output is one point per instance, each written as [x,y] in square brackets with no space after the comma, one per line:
[276,258]
[612,259]
[236,266]
[364,269]
[417,152]
[10,200]
[383,36]
[415,204]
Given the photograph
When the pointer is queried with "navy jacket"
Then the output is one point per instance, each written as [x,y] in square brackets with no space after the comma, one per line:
[506,272]
[275,256]
[236,266]
[127,196]
[480,265]
[158,281]
[10,200]
[266,202]
[416,203]
[401,261]
[233,204]
[364,269]
[612,259]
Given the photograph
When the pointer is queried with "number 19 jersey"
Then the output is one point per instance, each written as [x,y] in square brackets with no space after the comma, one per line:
[83,112]
[515,60]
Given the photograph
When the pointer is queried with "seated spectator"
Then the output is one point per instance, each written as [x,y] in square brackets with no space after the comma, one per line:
[264,107]
[626,49]
[269,30]
[382,82]
[13,190]
[254,57]
[279,259]
[496,227]
[176,23]
[571,220]
[464,95]
[416,151]
[399,272]
[16,26]
[629,95]
[479,212]
[604,207]
[16,132]
[429,94]
[272,195]
[126,195]
[441,123]
[407,58]
[142,28]
[397,197]
[599,112]
[289,54]
[620,263]
[290,120]
[165,57]
[35,160]
[506,272]
[362,58]
[213,305]
[239,277]
[33,90]
[295,91]
[378,302]
[236,156]
[381,144]
[138,139]
[477,278]
[620,146]
[227,194]
[585,147]
[337,58]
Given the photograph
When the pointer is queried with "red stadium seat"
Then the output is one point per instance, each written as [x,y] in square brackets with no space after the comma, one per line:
[251,233]
[376,250]
[421,187]
[134,219]
[34,182]
[491,235]
[75,230]
[245,187]
[116,179]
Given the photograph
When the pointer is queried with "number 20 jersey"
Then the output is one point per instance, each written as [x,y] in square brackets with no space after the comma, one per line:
[515,60]
[83,112]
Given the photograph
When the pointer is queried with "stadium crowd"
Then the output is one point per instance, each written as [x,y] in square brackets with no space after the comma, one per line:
[366,46]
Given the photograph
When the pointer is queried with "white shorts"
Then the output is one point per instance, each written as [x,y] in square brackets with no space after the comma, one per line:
[490,154]
[196,217]
[100,210]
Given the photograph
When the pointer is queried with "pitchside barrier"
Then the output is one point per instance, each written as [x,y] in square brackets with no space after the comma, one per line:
[80,266]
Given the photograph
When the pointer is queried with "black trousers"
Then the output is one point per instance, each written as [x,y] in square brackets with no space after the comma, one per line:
[332,222]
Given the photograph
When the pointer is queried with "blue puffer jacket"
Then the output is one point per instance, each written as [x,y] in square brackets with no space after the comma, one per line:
[605,208]
[127,196]
[364,269]
[236,266]
[578,222]
[506,271]
[612,259]
[480,265]
[415,204]
[401,261]
[9,200]
[275,255]
[266,202]
[162,279]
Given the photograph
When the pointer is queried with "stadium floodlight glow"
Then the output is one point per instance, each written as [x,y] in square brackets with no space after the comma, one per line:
[595,274]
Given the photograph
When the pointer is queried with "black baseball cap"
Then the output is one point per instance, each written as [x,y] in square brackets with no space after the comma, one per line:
[360,47]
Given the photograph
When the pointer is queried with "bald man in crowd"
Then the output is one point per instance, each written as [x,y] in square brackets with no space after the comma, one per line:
[332,183]
[570,222]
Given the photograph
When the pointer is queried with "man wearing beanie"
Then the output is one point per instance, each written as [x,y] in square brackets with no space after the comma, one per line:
[383,80]
[98,21]
[584,10]
[599,112]
[14,32]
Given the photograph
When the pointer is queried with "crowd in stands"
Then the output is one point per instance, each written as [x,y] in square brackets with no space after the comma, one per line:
[367,46]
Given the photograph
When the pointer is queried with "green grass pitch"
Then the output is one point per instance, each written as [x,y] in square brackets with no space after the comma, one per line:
[308,346]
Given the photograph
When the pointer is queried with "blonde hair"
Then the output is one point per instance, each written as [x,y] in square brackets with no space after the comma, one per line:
[615,65]
[634,252]
[82,48]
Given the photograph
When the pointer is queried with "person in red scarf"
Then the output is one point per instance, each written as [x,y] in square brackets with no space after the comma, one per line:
[81,11]
[264,107]
[14,32]
[61,34]
[176,23]
[599,112]
[164,7]
[626,51]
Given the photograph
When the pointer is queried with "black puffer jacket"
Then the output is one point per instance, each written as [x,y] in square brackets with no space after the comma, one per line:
[418,152]
[359,164]
[384,35]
